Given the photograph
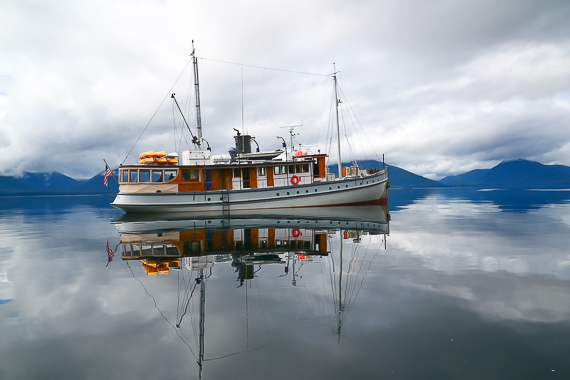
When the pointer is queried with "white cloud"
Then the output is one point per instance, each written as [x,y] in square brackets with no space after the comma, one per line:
[440,87]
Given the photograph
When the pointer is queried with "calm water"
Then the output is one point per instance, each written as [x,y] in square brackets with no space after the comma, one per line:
[459,284]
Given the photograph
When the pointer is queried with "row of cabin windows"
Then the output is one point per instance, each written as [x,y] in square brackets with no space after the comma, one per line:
[158,175]
[298,168]
[193,175]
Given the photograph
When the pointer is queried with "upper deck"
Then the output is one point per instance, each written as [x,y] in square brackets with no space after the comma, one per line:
[152,178]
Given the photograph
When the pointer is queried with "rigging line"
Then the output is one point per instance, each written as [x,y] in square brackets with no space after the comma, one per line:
[367,269]
[351,154]
[355,277]
[182,286]
[263,311]
[261,67]
[351,123]
[181,125]
[179,322]
[361,127]
[155,112]
[163,316]
[331,276]
[238,353]
[349,274]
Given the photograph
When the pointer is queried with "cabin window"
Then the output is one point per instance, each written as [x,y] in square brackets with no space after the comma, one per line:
[283,169]
[169,175]
[144,175]
[261,171]
[190,175]
[299,168]
[276,170]
[134,176]
[124,176]
[237,173]
[157,176]
[305,168]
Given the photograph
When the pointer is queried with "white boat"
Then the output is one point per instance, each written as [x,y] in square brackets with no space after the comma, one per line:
[244,180]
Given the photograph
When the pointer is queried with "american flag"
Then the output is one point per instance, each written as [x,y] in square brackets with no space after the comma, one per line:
[108,173]
[110,253]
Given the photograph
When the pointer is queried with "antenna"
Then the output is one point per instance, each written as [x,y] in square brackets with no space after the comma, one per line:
[292,132]
[197,96]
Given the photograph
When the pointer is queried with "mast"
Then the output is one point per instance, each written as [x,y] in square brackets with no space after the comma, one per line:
[340,307]
[202,319]
[337,124]
[197,95]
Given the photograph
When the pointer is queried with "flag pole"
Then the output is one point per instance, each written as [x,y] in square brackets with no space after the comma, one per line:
[113,174]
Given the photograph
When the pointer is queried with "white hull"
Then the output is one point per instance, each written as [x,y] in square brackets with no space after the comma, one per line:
[370,189]
[366,218]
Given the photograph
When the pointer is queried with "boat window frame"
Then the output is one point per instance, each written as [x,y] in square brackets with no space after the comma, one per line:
[261,171]
[144,171]
[171,173]
[134,172]
[160,177]
[187,175]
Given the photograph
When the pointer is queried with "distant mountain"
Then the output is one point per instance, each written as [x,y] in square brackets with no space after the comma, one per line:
[508,174]
[515,174]
[397,177]
[37,182]
[54,183]
[95,185]
[465,179]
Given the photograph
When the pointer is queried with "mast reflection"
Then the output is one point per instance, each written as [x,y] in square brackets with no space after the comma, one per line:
[247,243]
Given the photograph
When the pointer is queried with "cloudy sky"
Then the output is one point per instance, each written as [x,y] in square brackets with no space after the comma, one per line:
[440,87]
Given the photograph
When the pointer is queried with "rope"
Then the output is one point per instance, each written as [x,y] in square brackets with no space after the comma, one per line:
[155,112]
[261,67]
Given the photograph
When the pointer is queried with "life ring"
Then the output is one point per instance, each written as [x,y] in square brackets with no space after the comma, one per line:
[296,233]
[295,180]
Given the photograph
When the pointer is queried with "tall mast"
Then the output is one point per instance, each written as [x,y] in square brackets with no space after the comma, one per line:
[202,319]
[197,96]
[337,124]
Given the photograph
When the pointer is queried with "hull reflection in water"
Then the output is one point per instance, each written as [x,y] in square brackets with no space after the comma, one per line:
[160,244]
[247,243]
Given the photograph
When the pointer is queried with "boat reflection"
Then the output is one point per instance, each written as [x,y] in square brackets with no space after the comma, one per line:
[246,240]
[247,243]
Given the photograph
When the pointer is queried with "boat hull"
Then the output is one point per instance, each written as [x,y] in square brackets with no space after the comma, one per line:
[366,190]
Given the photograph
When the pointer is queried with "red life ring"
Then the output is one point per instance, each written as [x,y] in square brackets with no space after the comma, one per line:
[296,233]
[295,180]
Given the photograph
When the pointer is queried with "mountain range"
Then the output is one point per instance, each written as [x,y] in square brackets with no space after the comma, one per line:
[514,174]
[507,174]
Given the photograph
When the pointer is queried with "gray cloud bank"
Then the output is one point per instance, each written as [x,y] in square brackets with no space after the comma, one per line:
[440,87]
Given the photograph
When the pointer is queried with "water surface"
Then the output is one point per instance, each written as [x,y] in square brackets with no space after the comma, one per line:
[459,283]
